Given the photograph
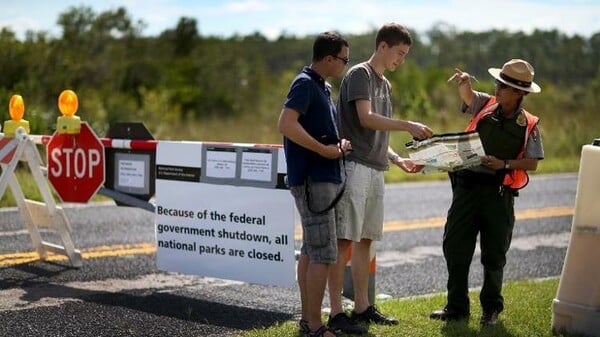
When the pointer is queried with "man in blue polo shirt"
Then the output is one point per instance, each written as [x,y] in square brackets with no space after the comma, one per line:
[313,151]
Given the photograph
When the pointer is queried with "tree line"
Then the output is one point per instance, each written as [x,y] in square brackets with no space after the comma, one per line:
[182,75]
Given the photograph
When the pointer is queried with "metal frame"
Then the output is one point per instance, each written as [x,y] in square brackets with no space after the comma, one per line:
[45,214]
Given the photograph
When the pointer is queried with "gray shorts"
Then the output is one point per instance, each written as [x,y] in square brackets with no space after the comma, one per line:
[360,210]
[318,230]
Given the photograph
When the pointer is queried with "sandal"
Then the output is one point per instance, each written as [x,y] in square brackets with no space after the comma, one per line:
[303,326]
[320,332]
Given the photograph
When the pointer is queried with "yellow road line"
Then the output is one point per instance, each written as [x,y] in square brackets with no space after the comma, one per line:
[13,259]
[436,222]
[88,253]
[527,214]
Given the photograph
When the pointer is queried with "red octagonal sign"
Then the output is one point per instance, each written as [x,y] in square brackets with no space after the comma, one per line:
[76,164]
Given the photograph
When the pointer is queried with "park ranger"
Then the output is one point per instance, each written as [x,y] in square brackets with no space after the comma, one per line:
[483,197]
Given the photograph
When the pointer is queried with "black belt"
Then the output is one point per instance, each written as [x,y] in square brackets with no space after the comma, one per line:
[469,178]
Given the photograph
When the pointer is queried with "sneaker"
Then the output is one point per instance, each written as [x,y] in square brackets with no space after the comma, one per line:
[373,315]
[341,323]
[489,317]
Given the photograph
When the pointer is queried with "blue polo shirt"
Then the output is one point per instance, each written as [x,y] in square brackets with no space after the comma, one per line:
[310,95]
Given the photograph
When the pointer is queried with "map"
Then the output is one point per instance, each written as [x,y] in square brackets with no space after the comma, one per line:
[447,152]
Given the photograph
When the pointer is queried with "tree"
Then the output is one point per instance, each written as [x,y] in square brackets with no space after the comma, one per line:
[184,37]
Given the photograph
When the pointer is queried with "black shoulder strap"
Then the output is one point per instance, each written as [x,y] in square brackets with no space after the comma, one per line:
[337,197]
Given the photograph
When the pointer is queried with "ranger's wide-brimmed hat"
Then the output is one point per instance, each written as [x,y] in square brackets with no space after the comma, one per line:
[518,74]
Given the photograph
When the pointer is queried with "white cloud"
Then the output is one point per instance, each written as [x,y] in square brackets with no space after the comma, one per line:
[245,6]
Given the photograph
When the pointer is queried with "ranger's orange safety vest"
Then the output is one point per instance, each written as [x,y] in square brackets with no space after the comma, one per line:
[515,178]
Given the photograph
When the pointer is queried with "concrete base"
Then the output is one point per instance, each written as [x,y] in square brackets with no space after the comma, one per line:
[576,307]
[575,318]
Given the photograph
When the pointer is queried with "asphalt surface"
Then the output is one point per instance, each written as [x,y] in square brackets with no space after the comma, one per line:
[126,295]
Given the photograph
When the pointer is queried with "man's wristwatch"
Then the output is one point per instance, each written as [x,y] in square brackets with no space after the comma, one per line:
[506,165]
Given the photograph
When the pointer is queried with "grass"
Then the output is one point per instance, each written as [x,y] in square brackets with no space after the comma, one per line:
[27,184]
[528,313]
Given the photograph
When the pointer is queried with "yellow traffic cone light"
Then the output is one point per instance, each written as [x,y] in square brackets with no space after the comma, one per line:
[68,122]
[16,108]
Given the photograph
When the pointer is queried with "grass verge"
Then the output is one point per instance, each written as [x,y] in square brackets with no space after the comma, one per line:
[528,313]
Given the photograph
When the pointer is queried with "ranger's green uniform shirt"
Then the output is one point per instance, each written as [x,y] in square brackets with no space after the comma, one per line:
[533,148]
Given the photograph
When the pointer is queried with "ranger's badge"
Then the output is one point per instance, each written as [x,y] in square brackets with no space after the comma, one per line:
[521,120]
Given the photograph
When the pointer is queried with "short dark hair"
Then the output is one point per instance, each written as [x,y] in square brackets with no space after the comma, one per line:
[328,43]
[393,34]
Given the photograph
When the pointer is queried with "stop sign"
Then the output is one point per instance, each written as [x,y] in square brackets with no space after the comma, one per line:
[76,164]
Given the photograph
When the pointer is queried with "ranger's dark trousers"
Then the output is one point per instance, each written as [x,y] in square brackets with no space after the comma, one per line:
[488,210]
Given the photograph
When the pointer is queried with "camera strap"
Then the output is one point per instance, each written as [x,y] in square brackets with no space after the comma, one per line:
[337,197]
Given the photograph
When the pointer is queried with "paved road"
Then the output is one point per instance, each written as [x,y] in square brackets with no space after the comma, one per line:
[119,291]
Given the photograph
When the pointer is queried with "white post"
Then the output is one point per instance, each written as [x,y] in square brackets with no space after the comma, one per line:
[576,307]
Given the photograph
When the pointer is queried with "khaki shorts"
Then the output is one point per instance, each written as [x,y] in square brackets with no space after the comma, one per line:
[360,210]
[318,230]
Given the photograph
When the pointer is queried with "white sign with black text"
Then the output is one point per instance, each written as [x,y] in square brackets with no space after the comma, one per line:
[242,233]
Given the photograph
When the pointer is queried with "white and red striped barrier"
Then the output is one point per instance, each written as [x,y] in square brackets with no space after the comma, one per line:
[8,146]
[130,144]
[143,145]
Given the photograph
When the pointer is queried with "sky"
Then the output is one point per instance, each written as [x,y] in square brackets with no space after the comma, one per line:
[271,18]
